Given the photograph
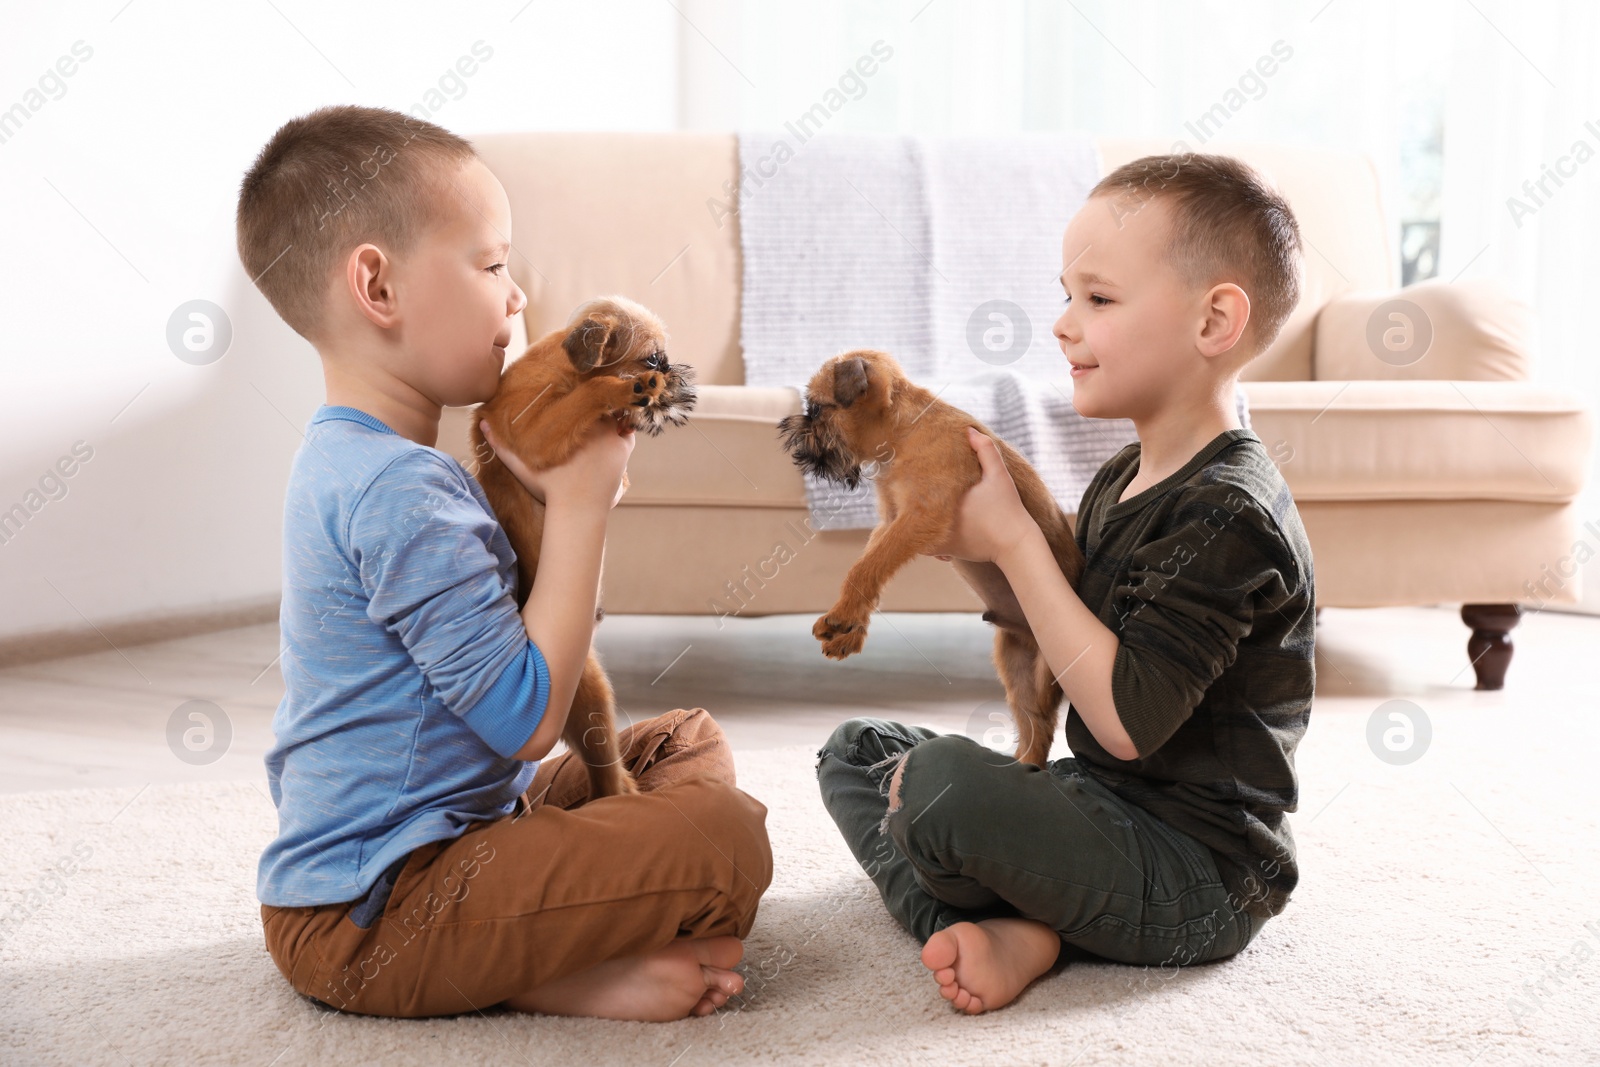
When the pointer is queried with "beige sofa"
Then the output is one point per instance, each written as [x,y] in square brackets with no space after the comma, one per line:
[1448,480]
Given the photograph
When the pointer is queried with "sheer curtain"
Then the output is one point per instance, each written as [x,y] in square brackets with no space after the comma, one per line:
[1356,74]
[1457,102]
[1523,108]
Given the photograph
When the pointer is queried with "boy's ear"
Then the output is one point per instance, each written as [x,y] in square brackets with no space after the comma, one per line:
[1225,315]
[369,278]
[590,343]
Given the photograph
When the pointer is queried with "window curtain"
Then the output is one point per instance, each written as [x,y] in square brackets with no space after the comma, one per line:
[1521,190]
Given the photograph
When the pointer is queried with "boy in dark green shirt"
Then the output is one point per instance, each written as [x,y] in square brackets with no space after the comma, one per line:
[1186,651]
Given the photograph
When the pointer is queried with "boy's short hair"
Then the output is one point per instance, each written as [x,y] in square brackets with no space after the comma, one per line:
[328,181]
[1228,224]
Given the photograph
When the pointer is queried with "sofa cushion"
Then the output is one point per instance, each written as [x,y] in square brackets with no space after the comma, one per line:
[1332,440]
[1423,440]
[1466,331]
[729,454]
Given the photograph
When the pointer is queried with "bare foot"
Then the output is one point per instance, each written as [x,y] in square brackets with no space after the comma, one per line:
[691,976]
[984,965]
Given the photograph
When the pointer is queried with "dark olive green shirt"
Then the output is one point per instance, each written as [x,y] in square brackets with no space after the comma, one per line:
[1206,580]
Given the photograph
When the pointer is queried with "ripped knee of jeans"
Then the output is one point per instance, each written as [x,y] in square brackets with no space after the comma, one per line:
[891,785]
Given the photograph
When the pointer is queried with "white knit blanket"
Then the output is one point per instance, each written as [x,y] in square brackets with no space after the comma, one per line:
[943,251]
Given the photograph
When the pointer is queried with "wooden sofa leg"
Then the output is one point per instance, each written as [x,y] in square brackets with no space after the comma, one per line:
[1490,644]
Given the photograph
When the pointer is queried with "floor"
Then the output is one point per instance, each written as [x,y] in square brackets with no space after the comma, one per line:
[1445,913]
[122,717]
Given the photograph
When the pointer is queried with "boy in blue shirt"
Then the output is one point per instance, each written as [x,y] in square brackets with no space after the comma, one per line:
[429,860]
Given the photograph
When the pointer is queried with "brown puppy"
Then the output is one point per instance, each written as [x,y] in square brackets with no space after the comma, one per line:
[860,407]
[610,358]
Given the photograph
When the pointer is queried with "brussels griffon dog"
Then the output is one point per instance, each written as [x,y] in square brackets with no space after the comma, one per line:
[860,407]
[611,358]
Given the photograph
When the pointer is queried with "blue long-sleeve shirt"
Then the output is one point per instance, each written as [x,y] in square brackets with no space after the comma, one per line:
[409,679]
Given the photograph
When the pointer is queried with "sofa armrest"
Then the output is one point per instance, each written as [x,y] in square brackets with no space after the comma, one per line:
[1444,331]
[1411,441]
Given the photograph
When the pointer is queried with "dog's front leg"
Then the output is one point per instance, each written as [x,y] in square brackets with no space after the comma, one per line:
[563,423]
[843,630]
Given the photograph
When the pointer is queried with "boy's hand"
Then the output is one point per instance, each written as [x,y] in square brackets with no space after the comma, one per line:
[991,519]
[592,477]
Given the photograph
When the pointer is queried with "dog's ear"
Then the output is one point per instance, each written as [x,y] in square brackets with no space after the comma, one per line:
[849,381]
[591,343]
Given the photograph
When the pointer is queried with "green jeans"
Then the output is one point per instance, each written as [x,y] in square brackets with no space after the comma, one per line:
[979,835]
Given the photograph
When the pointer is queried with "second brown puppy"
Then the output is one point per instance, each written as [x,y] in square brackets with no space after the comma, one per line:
[861,408]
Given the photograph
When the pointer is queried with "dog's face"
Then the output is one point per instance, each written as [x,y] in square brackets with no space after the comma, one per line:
[845,405]
[616,336]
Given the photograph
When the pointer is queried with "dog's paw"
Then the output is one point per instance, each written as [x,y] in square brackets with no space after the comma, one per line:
[846,644]
[839,639]
[630,392]
[611,780]
[646,387]
[624,786]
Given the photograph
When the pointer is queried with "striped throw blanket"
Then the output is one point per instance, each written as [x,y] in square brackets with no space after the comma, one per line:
[944,252]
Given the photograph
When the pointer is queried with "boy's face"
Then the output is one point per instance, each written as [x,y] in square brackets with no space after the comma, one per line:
[455,293]
[1131,319]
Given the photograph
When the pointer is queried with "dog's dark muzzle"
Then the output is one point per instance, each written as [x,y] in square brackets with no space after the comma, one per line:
[818,449]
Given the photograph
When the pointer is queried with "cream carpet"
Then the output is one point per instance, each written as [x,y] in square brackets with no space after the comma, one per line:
[1435,899]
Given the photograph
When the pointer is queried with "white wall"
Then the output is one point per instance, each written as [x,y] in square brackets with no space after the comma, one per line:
[119,191]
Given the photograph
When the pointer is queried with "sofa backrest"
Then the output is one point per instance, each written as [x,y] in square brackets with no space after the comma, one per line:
[653,216]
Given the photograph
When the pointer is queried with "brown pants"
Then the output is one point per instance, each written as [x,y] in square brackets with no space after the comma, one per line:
[559,885]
